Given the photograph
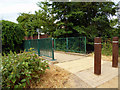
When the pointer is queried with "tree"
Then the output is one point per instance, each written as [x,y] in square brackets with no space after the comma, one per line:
[26,21]
[30,22]
[82,19]
[12,36]
[88,19]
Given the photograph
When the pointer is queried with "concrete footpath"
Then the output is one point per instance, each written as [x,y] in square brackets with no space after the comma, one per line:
[82,67]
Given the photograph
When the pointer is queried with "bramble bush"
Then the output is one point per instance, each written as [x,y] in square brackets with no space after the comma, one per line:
[18,70]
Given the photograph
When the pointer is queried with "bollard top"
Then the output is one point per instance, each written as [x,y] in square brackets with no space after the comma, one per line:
[115,38]
[97,40]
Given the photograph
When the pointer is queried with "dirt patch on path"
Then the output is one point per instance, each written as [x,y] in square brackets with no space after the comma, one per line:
[53,78]
[57,77]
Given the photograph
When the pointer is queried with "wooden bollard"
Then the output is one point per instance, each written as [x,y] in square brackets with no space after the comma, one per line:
[115,52]
[97,55]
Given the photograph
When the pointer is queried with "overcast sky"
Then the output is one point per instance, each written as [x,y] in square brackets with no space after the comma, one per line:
[10,9]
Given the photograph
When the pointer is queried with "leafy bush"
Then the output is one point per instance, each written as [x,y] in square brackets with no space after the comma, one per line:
[107,48]
[19,70]
[12,36]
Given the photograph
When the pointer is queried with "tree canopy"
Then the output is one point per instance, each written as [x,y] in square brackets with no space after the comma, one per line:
[69,19]
[84,18]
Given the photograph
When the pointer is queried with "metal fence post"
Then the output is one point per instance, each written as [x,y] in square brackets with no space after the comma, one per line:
[97,55]
[38,44]
[54,45]
[66,44]
[85,44]
[52,50]
[80,43]
[115,51]
[25,44]
[29,45]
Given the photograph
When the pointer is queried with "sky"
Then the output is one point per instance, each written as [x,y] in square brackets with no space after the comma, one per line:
[11,9]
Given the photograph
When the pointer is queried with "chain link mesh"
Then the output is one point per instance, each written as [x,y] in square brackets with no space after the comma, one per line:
[72,44]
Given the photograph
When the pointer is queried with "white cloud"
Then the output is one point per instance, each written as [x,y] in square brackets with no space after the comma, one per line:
[116,1]
[10,9]
[11,17]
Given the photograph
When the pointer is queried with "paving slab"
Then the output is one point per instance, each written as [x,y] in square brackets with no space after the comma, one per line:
[83,67]
[113,83]
[64,57]
[76,82]
[107,73]
[78,65]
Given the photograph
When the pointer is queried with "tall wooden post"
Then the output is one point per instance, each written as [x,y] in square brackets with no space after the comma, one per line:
[97,55]
[115,52]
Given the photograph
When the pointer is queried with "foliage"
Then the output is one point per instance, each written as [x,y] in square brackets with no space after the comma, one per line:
[19,70]
[71,19]
[84,18]
[26,21]
[90,19]
[107,48]
[30,22]
[12,36]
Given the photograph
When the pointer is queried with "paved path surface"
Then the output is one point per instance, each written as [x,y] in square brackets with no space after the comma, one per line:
[95,80]
[82,67]
[62,57]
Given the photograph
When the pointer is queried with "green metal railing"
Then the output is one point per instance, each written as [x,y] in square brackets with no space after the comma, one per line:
[43,47]
[72,44]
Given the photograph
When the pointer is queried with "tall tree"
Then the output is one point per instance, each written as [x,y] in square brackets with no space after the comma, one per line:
[89,19]
[26,20]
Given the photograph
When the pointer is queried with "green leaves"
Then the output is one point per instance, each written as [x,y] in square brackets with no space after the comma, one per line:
[13,80]
[81,29]
[18,70]
[81,18]
[12,36]
[30,22]
[23,80]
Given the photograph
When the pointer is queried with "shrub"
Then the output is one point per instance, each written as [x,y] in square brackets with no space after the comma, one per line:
[12,36]
[107,48]
[19,70]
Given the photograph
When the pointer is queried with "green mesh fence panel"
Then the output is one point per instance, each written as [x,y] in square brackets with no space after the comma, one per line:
[43,47]
[31,44]
[60,44]
[72,44]
[34,44]
[26,44]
